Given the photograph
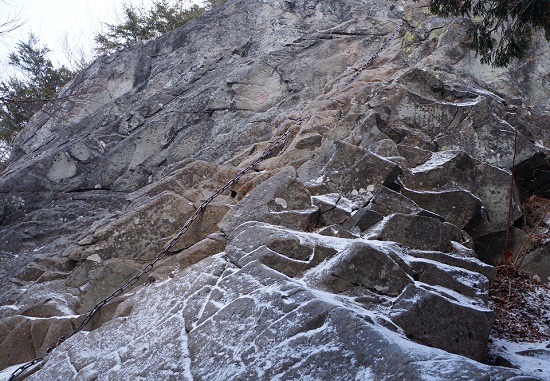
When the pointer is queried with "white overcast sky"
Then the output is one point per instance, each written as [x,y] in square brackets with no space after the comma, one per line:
[53,21]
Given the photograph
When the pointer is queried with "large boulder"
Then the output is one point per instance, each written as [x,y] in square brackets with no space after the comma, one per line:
[457,171]
[289,252]
[350,171]
[459,207]
[280,200]
[451,321]
[416,232]
[359,268]
[31,337]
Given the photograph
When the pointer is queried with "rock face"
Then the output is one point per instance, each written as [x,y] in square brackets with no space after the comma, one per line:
[350,252]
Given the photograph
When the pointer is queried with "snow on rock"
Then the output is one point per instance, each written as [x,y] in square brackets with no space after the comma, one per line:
[255,324]
[531,358]
[350,252]
[438,319]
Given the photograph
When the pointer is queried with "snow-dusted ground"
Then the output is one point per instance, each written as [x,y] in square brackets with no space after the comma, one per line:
[533,358]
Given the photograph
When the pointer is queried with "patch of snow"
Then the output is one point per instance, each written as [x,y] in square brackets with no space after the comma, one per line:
[539,300]
[455,297]
[532,358]
[5,374]
[94,258]
[11,307]
[364,374]
[466,277]
[437,160]
[346,204]
[52,317]
[485,93]
[184,350]
[374,231]
[329,198]
[470,103]
[302,211]
[5,152]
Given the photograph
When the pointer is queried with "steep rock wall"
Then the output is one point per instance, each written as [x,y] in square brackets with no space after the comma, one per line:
[359,236]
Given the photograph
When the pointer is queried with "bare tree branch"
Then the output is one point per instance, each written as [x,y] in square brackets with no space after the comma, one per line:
[10,23]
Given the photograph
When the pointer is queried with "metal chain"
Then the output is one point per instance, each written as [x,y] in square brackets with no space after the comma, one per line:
[162,253]
[374,55]
[191,219]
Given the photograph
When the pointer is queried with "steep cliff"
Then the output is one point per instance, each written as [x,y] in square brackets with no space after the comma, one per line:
[352,251]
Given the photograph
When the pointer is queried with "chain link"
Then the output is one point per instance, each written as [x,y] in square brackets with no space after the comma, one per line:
[161,253]
[374,55]
[191,219]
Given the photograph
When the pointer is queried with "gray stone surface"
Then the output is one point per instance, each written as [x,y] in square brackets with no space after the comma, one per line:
[281,200]
[537,262]
[416,232]
[450,324]
[460,280]
[219,322]
[456,170]
[288,252]
[358,268]
[28,337]
[349,253]
[459,207]
[363,219]
[351,171]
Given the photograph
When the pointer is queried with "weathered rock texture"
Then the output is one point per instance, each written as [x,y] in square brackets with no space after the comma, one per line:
[350,253]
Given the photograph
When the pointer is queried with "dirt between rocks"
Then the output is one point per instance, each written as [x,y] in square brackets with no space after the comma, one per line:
[521,305]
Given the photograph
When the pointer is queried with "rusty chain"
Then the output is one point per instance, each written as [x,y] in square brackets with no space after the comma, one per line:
[374,55]
[161,253]
[180,233]
[191,219]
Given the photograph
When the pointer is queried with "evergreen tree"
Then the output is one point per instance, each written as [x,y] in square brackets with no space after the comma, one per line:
[26,92]
[143,24]
[502,28]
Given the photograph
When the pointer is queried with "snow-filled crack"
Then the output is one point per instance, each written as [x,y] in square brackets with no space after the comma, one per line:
[207,301]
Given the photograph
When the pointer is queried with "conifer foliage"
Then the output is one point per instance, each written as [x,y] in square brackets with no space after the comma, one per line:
[35,83]
[140,24]
[502,29]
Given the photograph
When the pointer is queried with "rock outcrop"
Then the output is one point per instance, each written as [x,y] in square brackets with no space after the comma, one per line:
[351,252]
